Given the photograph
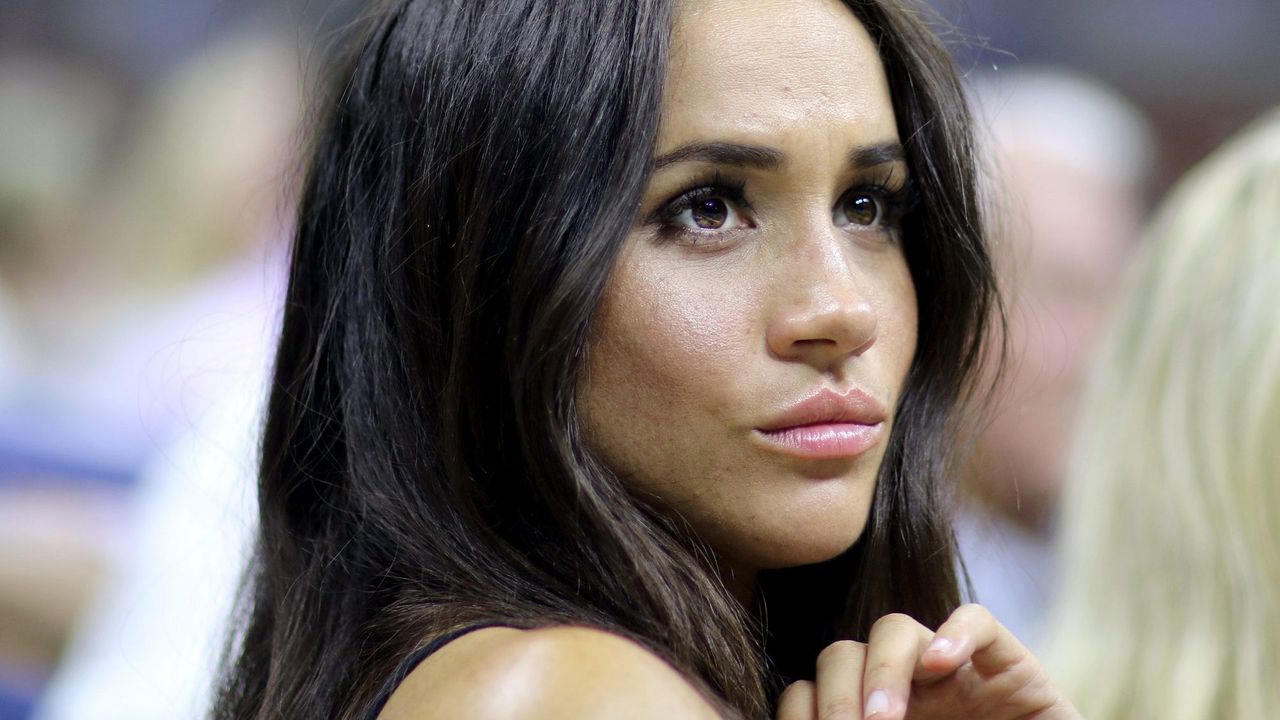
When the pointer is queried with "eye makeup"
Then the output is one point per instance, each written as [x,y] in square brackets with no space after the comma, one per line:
[720,193]
[699,189]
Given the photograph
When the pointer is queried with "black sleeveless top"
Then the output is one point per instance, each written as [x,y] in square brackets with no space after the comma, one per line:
[413,661]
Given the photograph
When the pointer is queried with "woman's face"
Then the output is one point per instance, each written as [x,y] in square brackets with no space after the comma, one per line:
[748,355]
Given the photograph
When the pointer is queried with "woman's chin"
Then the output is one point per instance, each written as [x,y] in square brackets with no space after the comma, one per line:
[812,545]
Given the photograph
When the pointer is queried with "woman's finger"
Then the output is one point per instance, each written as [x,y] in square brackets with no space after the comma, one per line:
[972,634]
[798,702]
[839,680]
[893,651]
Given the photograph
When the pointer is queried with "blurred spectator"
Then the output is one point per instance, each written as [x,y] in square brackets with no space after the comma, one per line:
[224,134]
[1170,596]
[1070,162]
[55,117]
[154,294]
[185,219]
[54,534]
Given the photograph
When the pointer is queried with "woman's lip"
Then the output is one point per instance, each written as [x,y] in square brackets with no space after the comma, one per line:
[824,441]
[826,425]
[826,406]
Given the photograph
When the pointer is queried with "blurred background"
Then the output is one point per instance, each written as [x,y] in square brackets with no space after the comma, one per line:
[148,160]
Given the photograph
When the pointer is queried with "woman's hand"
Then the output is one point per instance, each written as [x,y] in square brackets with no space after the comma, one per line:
[971,668]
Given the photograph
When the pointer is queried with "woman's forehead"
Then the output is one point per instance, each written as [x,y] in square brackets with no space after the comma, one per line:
[773,71]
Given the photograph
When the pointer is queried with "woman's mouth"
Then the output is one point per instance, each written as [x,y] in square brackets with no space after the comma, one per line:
[826,425]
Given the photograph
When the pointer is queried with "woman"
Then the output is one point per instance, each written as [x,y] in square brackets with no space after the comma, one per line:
[600,353]
[1172,510]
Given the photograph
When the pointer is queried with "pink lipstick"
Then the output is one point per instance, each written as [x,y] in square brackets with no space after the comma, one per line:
[826,425]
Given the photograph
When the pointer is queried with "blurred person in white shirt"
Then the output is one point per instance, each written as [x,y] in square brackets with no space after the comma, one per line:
[168,366]
[1069,165]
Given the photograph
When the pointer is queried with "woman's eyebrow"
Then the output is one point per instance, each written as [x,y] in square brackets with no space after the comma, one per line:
[722,153]
[880,154]
[766,158]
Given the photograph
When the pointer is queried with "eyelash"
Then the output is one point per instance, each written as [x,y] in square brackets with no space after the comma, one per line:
[894,202]
[697,190]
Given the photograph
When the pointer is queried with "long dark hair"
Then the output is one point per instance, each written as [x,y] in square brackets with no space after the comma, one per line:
[475,173]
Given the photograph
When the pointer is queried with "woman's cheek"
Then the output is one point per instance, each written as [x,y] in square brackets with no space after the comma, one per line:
[691,332]
[668,366]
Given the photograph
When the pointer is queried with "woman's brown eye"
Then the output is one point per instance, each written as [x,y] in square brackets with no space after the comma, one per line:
[710,213]
[862,209]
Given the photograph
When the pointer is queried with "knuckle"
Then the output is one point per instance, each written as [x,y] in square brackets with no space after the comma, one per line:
[973,612]
[838,650]
[893,621]
[799,687]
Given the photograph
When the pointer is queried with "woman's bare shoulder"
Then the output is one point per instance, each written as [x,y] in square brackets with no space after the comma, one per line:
[557,672]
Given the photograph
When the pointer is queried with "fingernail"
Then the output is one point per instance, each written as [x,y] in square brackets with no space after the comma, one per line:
[877,702]
[941,645]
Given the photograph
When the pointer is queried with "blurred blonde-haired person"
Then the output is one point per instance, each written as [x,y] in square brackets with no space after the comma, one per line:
[1169,605]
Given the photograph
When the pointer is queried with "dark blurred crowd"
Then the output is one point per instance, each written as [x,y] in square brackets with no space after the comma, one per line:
[148,160]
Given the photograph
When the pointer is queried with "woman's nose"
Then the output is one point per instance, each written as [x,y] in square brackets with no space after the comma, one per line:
[822,316]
